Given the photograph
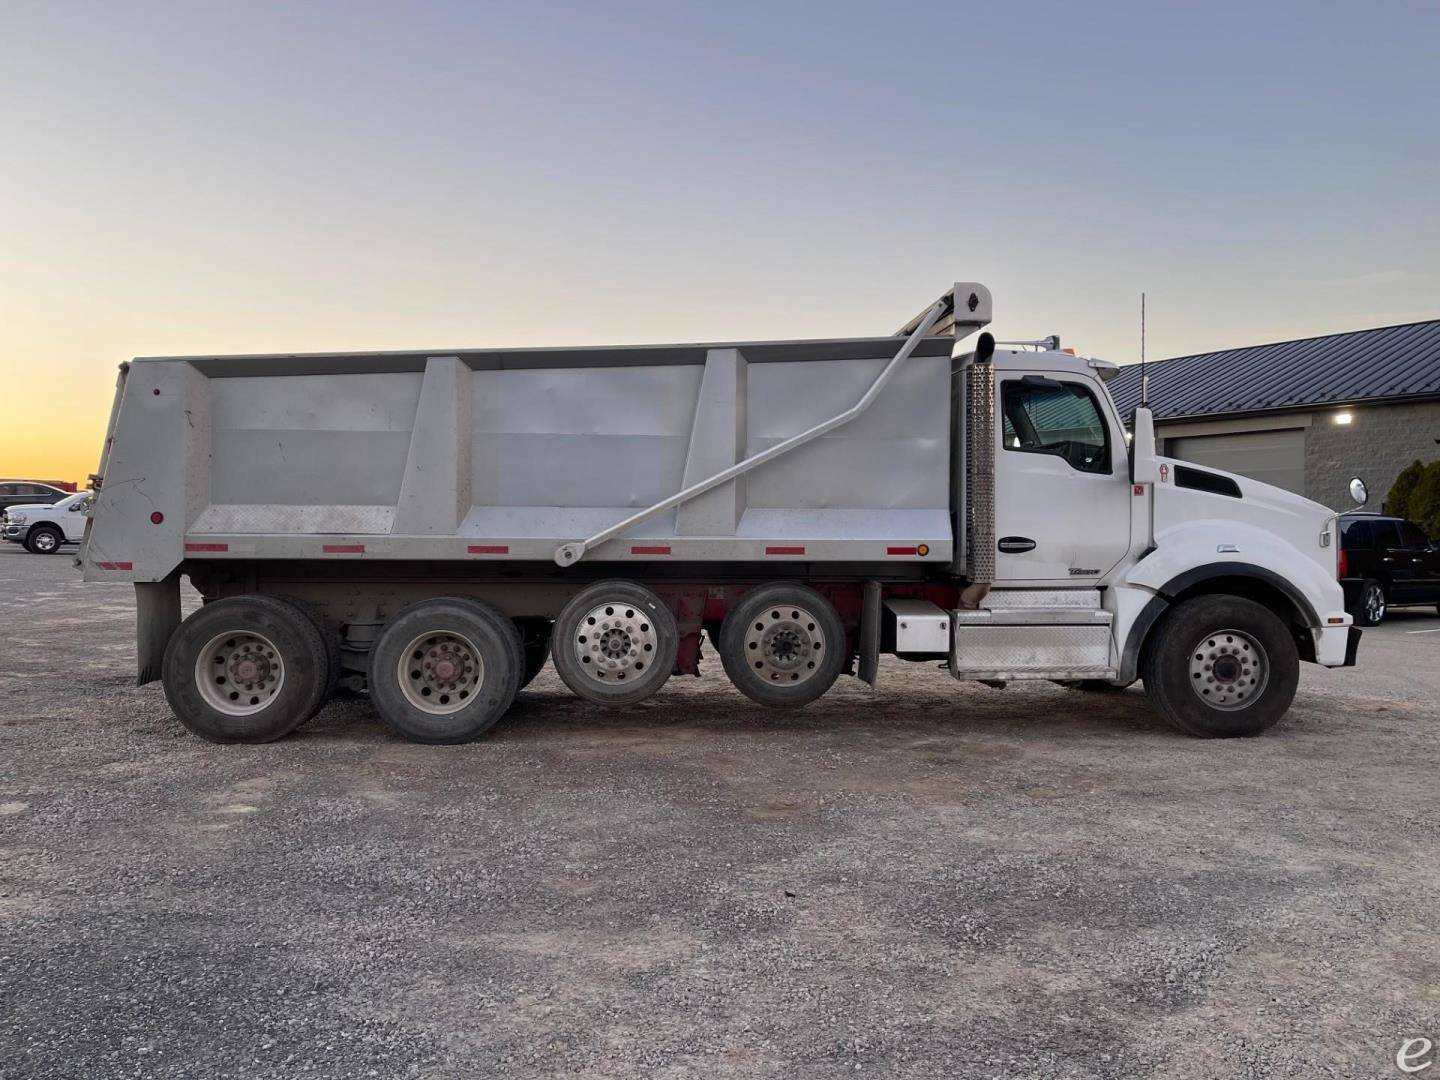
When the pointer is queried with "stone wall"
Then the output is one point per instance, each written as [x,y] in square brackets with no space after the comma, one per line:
[1379,442]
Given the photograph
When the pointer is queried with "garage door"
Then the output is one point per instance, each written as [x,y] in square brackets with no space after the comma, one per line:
[1276,457]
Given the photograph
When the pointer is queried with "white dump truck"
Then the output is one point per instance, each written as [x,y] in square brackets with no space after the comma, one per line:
[432,525]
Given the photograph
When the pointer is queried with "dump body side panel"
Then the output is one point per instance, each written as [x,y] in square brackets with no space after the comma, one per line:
[458,457]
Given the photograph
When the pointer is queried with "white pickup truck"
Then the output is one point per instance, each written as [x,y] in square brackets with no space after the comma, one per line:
[43,528]
[427,524]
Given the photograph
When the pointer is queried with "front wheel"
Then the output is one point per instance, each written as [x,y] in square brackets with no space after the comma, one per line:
[1221,667]
[44,540]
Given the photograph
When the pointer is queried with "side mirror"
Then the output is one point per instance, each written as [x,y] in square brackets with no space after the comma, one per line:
[1144,468]
[1358,491]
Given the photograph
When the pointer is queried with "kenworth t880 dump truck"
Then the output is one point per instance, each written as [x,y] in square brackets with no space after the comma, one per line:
[431,526]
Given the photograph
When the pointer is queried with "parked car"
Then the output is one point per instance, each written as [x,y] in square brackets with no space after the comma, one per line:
[44,527]
[28,492]
[1384,562]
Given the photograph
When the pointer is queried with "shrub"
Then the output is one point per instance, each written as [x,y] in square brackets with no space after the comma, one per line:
[1402,492]
[1424,505]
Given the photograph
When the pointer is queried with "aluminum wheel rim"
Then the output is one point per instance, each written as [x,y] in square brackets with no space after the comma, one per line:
[239,673]
[784,645]
[46,542]
[1228,670]
[616,642]
[1375,603]
[439,672]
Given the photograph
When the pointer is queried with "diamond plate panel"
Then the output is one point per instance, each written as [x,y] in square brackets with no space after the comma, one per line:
[1022,648]
[1009,599]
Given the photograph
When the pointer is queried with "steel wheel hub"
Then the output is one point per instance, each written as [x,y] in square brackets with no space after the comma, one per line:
[1228,670]
[45,542]
[615,642]
[784,645]
[239,673]
[439,672]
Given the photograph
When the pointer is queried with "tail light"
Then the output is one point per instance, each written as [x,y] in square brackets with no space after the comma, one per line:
[1342,563]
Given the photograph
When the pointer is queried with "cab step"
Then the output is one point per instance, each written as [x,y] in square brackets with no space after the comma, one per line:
[1019,634]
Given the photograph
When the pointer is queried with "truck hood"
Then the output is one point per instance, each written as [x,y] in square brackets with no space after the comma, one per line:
[1293,518]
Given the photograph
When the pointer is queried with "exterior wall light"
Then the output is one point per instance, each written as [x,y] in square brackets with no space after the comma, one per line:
[1343,417]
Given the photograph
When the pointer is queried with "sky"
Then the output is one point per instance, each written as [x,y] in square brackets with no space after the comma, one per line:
[271,177]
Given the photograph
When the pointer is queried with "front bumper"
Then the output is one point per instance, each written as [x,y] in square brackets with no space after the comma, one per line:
[1337,645]
[14,533]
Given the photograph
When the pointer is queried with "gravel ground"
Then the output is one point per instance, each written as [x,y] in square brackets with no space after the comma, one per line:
[928,880]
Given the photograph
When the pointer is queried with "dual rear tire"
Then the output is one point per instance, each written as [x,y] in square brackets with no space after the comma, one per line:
[247,669]
[446,670]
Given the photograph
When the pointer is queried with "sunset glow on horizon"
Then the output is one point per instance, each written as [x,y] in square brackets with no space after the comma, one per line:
[278,178]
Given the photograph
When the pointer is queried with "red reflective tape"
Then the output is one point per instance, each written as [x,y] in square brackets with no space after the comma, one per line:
[116,565]
[343,549]
[489,549]
[661,550]
[902,551]
[784,551]
[207,547]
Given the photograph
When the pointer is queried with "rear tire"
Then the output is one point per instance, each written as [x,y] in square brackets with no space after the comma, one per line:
[615,643]
[1372,604]
[782,645]
[1221,667]
[44,540]
[331,639]
[247,669]
[445,671]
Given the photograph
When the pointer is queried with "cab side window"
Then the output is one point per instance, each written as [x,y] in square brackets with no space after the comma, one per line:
[1044,416]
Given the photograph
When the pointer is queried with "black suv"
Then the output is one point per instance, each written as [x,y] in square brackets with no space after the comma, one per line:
[1385,561]
[18,492]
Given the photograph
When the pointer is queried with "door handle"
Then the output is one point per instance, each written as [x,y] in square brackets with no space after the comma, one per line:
[1015,545]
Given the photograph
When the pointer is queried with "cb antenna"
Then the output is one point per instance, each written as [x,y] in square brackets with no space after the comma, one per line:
[1144,379]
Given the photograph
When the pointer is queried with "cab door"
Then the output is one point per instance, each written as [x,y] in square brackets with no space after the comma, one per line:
[1062,484]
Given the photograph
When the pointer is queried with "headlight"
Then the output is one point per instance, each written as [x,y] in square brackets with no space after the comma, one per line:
[15,519]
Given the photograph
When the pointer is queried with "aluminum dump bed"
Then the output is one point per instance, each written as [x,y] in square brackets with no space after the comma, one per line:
[513,454]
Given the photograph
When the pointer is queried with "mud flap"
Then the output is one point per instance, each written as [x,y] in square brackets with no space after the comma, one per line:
[870,632]
[157,614]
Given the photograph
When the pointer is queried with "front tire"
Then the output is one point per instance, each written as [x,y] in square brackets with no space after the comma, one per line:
[247,669]
[446,670]
[783,645]
[44,540]
[1221,667]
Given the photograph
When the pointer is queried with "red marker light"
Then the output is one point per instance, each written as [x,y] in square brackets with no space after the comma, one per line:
[156,518]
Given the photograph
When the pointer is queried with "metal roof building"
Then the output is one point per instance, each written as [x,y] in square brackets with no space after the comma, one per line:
[1305,414]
